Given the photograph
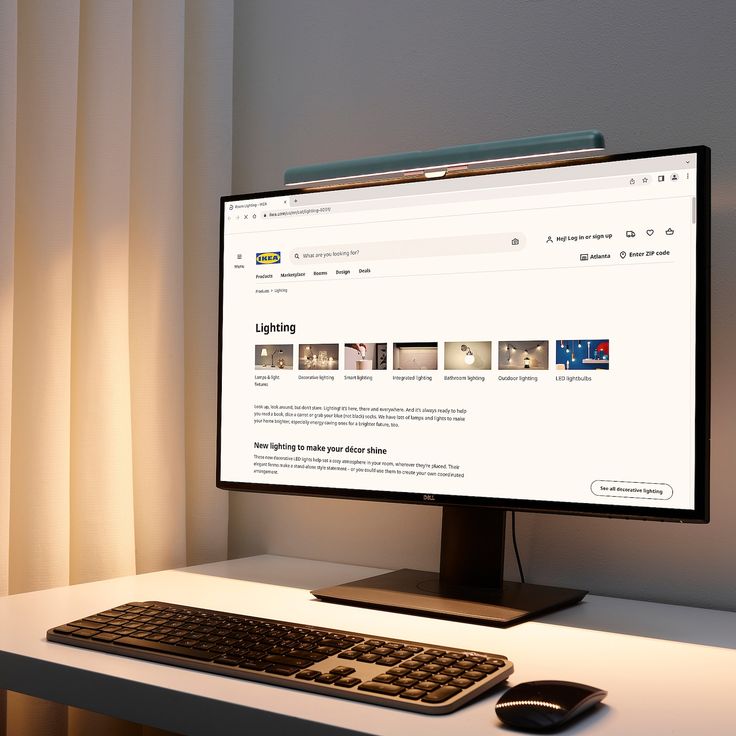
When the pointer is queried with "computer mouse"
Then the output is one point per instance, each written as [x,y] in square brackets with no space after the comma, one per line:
[546,704]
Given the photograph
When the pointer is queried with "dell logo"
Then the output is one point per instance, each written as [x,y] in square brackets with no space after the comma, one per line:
[428,497]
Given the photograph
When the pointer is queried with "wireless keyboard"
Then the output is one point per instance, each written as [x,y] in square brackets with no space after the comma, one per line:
[373,669]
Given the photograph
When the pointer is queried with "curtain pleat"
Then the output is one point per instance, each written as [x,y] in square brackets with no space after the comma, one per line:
[102,540]
[8,106]
[156,284]
[48,42]
[207,168]
[115,144]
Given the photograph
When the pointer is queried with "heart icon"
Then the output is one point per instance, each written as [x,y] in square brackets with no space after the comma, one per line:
[650,232]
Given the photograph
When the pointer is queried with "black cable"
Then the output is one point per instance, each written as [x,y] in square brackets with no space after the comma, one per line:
[516,548]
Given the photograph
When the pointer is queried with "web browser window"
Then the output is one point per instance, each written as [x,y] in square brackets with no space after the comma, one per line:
[518,335]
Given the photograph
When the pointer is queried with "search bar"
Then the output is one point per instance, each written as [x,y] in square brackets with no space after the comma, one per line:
[461,245]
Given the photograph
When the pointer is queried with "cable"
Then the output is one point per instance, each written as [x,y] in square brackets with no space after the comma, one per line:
[516,548]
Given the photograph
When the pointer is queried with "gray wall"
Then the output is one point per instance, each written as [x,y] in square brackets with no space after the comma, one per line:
[318,80]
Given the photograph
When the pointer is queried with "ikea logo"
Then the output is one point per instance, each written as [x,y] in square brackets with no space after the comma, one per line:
[270,257]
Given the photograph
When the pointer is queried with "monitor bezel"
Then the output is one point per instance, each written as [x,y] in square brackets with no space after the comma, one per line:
[701,479]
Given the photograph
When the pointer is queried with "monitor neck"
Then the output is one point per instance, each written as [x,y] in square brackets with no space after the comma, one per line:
[473,546]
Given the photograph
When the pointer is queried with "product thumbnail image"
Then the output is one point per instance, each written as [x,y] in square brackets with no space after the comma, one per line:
[586,354]
[319,356]
[415,356]
[365,356]
[274,357]
[467,356]
[521,355]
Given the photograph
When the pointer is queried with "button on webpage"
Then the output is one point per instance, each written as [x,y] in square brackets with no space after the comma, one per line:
[631,489]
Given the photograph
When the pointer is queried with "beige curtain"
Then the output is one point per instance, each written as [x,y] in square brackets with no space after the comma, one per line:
[115,143]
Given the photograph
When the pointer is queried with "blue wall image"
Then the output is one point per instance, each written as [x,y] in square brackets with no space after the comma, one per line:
[586,354]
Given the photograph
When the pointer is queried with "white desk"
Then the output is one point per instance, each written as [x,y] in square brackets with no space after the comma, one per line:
[668,669]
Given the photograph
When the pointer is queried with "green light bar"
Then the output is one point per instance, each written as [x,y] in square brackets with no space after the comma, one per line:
[437,162]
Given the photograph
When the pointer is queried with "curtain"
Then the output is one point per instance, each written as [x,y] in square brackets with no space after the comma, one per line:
[115,144]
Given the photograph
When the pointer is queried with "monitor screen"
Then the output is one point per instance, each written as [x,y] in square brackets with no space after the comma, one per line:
[531,339]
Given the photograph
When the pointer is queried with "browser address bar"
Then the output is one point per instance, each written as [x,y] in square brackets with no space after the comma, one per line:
[460,245]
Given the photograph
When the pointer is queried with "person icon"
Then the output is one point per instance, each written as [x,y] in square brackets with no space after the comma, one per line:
[549,239]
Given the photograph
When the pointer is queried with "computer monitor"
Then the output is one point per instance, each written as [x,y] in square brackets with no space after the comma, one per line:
[528,339]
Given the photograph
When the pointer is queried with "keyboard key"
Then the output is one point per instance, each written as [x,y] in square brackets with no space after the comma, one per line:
[427,685]
[342,671]
[348,655]
[327,678]
[388,661]
[106,637]
[487,668]
[327,651]
[88,624]
[440,679]
[380,687]
[287,661]
[84,633]
[413,694]
[461,682]
[441,694]
[435,652]
[474,675]
[399,671]
[368,658]
[280,669]
[252,664]
[384,678]
[64,629]
[347,682]
[308,674]
[335,643]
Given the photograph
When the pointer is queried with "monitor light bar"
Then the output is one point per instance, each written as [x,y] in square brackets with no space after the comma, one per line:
[438,162]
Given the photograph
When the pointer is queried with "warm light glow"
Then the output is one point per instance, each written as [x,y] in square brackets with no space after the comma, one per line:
[469,357]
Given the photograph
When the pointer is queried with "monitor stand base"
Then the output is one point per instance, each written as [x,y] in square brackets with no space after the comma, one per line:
[421,593]
[469,586]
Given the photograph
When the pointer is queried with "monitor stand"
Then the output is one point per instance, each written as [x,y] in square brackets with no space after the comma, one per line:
[470,585]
